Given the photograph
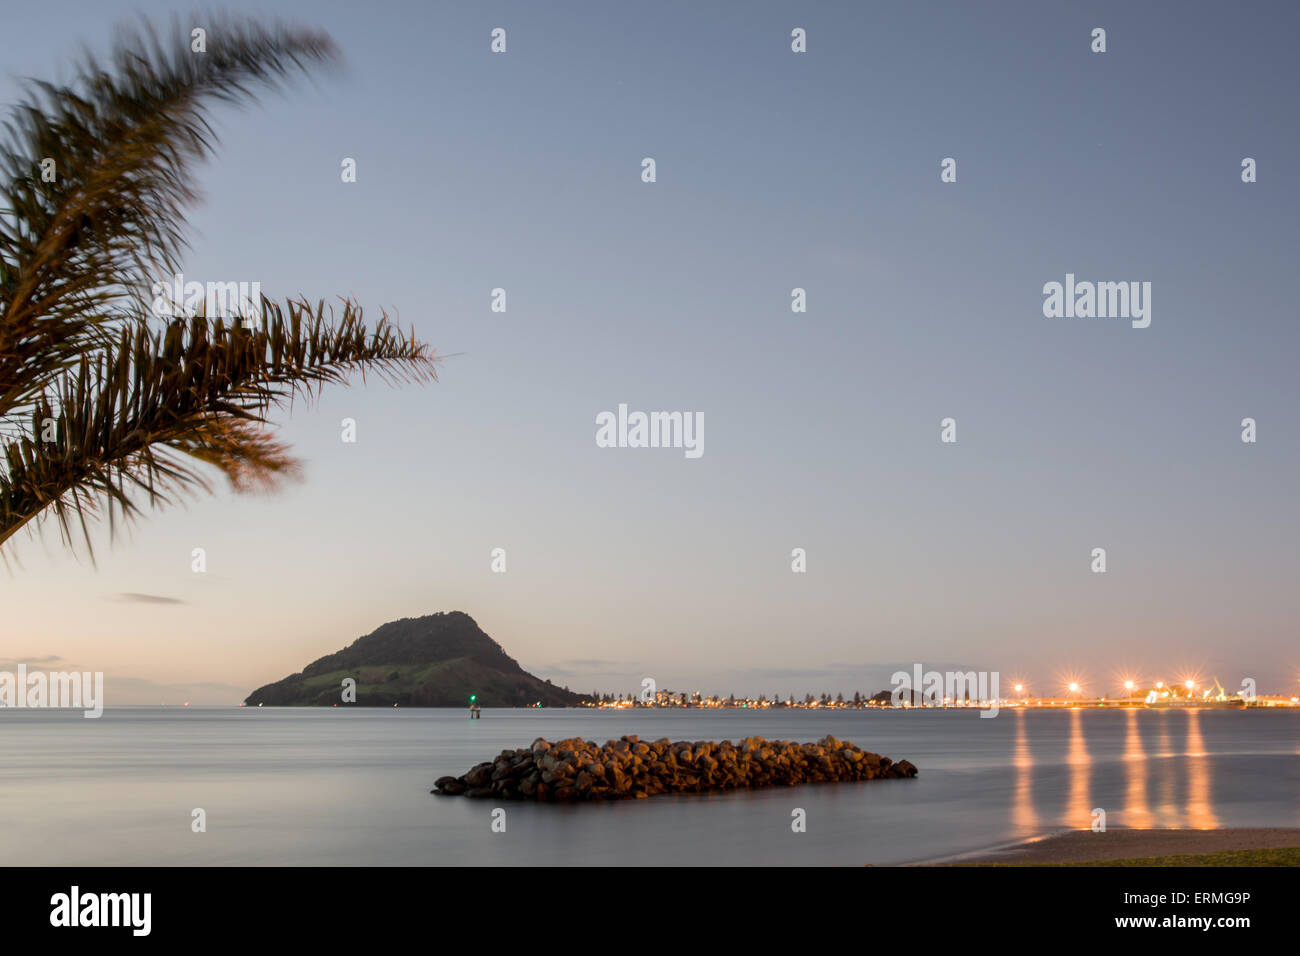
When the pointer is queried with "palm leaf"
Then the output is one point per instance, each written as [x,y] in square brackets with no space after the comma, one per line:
[137,410]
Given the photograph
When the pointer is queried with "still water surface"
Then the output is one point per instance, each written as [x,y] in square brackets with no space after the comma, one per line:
[286,786]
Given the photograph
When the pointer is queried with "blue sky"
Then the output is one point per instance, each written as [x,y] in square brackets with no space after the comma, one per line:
[775,170]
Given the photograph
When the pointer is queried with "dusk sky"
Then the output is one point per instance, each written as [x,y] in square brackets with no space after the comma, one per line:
[774,170]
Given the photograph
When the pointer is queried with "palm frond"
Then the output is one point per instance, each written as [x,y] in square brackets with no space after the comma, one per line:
[104,411]
[124,140]
[119,429]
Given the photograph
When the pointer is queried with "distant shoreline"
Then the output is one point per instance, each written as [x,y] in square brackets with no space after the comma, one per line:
[640,708]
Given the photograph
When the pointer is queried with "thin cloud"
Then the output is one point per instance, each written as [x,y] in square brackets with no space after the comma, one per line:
[134,597]
[29,661]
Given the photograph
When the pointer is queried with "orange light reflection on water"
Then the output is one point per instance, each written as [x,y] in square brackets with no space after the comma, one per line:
[1136,814]
[1078,809]
[1200,815]
[1023,814]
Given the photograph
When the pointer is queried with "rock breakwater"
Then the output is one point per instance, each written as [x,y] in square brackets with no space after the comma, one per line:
[629,768]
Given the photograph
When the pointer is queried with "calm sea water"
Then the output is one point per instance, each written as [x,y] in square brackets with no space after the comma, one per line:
[339,787]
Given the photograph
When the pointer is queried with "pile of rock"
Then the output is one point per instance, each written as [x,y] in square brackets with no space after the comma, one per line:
[577,769]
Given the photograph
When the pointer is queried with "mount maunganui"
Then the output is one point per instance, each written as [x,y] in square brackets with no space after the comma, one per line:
[433,661]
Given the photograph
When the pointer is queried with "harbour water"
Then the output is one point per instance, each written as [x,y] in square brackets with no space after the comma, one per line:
[351,786]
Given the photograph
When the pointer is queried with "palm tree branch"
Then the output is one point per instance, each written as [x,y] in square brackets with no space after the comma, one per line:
[125,423]
[124,142]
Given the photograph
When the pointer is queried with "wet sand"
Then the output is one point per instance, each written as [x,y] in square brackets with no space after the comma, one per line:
[1084,846]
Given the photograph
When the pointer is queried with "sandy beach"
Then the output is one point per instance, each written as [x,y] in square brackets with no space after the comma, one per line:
[1084,846]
